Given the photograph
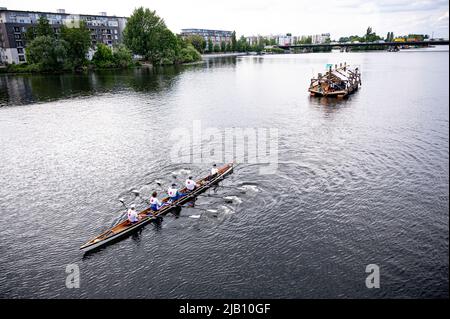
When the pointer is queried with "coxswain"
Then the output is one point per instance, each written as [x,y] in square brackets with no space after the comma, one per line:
[132,214]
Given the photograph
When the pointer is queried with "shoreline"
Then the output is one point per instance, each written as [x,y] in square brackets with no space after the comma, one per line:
[220,55]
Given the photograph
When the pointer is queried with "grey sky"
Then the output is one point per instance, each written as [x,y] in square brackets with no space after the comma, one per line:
[252,17]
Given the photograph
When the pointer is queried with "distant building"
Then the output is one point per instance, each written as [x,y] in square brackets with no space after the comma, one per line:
[14,24]
[252,40]
[320,38]
[216,36]
[281,40]
[284,40]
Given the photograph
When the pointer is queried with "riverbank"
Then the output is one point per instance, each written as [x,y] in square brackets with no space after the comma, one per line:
[219,55]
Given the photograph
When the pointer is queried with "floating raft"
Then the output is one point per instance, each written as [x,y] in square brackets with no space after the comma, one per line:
[339,81]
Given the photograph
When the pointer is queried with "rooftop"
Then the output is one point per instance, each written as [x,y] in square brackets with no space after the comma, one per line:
[2,9]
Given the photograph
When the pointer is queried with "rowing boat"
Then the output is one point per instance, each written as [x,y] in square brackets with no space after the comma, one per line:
[146,216]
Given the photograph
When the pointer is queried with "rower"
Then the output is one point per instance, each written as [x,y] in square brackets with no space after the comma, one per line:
[173,193]
[155,203]
[191,184]
[132,214]
[214,170]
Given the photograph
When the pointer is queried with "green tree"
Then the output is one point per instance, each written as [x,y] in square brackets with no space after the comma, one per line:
[189,54]
[103,57]
[197,41]
[233,41]
[122,57]
[168,48]
[223,46]
[47,53]
[228,47]
[242,45]
[79,41]
[210,45]
[216,48]
[142,33]
[370,36]
[42,28]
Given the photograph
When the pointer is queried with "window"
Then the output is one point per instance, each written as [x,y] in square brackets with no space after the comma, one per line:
[16,29]
[17,36]
[20,50]
[21,58]
[19,44]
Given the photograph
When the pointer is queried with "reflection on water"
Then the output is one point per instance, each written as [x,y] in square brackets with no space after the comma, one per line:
[26,89]
[31,88]
[361,180]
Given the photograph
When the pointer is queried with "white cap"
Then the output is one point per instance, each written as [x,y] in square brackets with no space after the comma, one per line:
[133,206]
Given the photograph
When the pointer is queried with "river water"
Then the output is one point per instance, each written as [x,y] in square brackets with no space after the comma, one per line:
[358,181]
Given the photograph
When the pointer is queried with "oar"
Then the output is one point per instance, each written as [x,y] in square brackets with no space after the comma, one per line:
[159,183]
[137,194]
[228,199]
[121,216]
[239,188]
[209,195]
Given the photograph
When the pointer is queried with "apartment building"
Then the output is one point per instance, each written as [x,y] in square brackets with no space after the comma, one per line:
[216,36]
[14,24]
[320,38]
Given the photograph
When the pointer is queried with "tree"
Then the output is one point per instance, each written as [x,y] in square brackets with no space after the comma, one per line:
[142,33]
[122,57]
[305,40]
[242,45]
[168,48]
[47,53]
[103,57]
[370,36]
[42,28]
[233,41]
[79,41]
[189,54]
[216,48]
[210,45]
[223,46]
[197,41]
[228,47]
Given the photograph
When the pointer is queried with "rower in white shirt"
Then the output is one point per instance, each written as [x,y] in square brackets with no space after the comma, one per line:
[190,184]
[214,170]
[155,203]
[132,214]
[174,193]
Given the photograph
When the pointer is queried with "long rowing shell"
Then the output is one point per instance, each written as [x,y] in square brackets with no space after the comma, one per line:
[146,216]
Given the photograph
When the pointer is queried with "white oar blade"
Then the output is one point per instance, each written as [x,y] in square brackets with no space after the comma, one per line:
[194,216]
[212,210]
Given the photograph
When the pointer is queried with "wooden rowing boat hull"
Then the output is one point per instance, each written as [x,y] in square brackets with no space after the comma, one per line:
[125,228]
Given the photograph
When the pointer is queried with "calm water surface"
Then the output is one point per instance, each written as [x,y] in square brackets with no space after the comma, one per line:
[359,181]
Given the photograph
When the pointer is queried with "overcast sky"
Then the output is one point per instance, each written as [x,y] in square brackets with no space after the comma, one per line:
[252,17]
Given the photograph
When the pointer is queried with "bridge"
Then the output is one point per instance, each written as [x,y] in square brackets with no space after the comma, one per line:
[364,44]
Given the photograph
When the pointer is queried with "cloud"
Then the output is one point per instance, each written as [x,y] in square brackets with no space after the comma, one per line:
[443,17]
[251,17]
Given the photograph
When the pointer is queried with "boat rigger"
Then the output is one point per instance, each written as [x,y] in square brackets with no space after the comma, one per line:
[148,215]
